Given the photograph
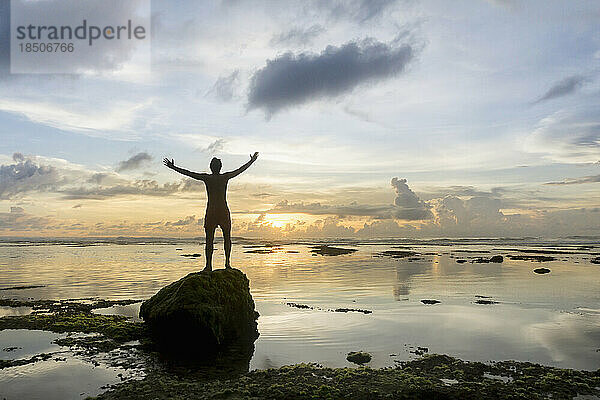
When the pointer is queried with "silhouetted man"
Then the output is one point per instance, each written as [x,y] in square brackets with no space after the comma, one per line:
[217,212]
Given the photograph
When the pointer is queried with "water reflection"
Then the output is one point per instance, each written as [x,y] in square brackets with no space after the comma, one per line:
[543,318]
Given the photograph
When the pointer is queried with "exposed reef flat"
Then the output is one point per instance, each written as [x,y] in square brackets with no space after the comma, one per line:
[538,258]
[342,310]
[397,253]
[331,251]
[430,377]
[23,287]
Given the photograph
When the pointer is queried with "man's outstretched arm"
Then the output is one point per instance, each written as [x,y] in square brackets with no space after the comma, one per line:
[236,172]
[171,164]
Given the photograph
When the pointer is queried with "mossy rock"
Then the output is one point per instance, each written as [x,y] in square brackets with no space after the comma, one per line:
[203,311]
[358,357]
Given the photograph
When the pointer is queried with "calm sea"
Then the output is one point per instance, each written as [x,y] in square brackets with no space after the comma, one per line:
[551,318]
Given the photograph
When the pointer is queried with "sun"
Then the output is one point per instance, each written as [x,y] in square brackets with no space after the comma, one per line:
[280,220]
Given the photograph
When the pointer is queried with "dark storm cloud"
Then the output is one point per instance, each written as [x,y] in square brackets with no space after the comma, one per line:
[564,87]
[576,181]
[26,176]
[408,205]
[297,36]
[293,79]
[134,162]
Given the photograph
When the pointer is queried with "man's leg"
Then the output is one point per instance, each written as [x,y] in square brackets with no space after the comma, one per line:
[226,228]
[210,237]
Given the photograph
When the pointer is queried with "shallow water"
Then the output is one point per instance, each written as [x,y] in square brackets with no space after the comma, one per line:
[62,375]
[552,319]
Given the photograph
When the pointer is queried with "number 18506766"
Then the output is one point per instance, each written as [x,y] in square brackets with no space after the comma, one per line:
[46,47]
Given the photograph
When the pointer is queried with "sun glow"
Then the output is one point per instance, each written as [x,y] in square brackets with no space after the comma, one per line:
[281,220]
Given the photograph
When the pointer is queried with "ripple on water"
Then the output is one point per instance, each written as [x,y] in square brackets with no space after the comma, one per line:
[56,380]
[23,343]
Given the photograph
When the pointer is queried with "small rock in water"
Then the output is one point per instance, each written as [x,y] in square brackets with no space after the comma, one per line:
[482,301]
[532,258]
[302,306]
[195,255]
[397,253]
[331,251]
[428,301]
[493,259]
[595,260]
[461,261]
[358,357]
[419,351]
[23,287]
[541,270]
[345,310]
[260,251]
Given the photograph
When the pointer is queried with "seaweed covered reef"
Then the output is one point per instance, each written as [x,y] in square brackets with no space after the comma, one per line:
[430,377]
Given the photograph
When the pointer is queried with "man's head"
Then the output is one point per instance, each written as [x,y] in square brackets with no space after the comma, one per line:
[215,165]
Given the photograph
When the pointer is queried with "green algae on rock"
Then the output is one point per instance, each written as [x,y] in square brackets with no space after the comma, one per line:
[203,309]
[358,357]
[418,379]
[114,327]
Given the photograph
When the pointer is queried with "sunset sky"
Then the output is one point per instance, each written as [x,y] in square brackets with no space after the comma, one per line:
[372,118]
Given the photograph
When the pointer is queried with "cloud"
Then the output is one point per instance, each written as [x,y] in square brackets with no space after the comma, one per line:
[143,187]
[293,79]
[358,10]
[26,176]
[568,136]
[134,162]
[285,207]
[17,220]
[564,87]
[189,220]
[298,36]
[29,175]
[462,191]
[224,87]
[97,121]
[408,205]
[576,181]
[214,147]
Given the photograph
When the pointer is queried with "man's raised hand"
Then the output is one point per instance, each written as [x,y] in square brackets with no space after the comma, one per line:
[254,156]
[169,163]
